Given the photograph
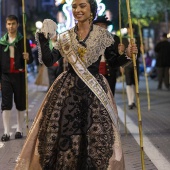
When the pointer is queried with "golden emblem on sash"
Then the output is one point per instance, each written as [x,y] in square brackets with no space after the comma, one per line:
[82,51]
[66,47]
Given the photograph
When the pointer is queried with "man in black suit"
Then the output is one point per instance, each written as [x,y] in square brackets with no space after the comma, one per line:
[162,50]
[109,72]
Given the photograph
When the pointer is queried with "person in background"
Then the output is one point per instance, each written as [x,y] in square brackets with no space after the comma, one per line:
[129,69]
[110,73]
[162,50]
[12,75]
[77,125]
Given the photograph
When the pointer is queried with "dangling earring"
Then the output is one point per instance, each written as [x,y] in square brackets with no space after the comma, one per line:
[91,18]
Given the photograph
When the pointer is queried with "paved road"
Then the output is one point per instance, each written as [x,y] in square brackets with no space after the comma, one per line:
[155,123]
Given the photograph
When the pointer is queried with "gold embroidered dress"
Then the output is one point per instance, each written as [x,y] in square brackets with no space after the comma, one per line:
[73,130]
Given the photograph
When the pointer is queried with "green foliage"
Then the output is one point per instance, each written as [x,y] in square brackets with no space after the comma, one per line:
[148,11]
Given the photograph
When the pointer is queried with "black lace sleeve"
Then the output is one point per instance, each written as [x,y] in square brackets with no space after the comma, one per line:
[114,59]
[49,57]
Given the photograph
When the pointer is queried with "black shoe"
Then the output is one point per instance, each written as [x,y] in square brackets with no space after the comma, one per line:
[5,138]
[130,107]
[18,135]
[133,104]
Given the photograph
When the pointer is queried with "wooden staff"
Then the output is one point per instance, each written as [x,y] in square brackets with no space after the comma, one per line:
[120,20]
[25,50]
[136,87]
[123,77]
[144,64]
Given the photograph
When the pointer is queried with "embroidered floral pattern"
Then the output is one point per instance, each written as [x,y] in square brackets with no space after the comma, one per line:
[76,130]
[97,42]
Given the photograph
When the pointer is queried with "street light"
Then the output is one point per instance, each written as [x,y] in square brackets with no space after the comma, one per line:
[38,25]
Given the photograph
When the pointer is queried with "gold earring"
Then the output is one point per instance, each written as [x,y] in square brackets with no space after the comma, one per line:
[91,18]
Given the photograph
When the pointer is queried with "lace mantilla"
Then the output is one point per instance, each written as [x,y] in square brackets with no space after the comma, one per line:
[49,28]
[99,39]
[39,48]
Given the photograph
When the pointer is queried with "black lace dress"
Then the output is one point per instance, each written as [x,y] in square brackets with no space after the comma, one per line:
[75,131]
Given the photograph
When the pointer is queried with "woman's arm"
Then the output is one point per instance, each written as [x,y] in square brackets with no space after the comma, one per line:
[48,57]
[114,59]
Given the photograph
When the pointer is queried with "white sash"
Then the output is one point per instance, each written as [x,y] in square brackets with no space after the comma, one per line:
[84,74]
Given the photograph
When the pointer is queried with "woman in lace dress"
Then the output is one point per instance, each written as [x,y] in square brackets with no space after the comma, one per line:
[76,127]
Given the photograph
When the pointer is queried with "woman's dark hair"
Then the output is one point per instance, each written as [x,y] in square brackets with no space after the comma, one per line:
[93,6]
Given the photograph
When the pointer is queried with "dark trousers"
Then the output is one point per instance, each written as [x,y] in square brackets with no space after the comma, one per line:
[13,86]
[129,74]
[163,76]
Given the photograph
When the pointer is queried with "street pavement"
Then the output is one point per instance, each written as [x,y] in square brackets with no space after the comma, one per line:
[155,127]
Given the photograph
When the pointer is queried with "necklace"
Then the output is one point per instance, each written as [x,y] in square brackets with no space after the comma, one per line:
[82,45]
[80,37]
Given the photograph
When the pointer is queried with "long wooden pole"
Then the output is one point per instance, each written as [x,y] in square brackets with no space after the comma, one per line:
[144,64]
[122,70]
[136,87]
[25,50]
[120,20]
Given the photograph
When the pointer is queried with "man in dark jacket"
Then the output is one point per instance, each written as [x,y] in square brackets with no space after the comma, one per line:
[12,75]
[162,50]
[129,69]
[109,72]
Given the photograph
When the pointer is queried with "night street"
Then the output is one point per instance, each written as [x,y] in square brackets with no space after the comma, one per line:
[93,50]
[156,128]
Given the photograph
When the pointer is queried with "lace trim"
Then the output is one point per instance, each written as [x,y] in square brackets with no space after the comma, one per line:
[39,48]
[98,40]
[49,28]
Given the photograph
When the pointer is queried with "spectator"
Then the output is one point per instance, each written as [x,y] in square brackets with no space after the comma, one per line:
[129,69]
[109,72]
[12,71]
[162,50]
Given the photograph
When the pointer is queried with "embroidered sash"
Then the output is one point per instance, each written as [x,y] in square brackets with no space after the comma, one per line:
[84,74]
